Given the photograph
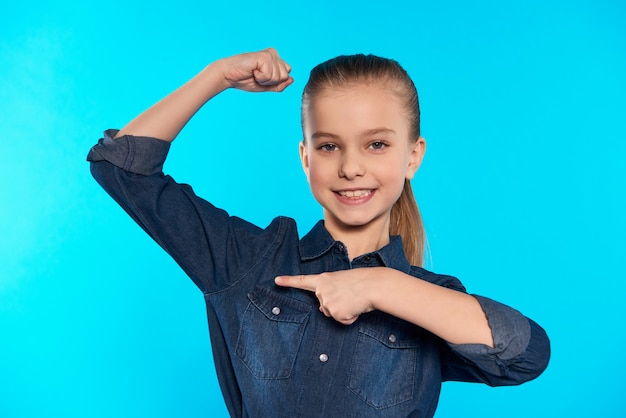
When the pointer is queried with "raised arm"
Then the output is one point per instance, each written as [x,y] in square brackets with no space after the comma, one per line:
[129,165]
[256,72]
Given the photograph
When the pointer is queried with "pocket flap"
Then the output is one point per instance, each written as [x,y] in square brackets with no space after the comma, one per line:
[390,331]
[278,307]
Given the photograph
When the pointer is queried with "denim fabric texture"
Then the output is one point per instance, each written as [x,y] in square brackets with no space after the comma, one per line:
[275,353]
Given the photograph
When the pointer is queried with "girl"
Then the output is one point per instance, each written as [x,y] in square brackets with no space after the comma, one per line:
[343,322]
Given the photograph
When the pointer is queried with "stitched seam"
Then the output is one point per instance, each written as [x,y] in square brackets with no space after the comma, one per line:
[279,233]
[130,154]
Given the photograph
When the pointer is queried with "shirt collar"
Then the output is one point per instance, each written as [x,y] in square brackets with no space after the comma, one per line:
[319,241]
[316,243]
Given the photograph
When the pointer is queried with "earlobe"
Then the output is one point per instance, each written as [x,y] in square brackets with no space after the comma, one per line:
[416,155]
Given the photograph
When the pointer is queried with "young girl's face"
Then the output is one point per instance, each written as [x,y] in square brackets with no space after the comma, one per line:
[357,154]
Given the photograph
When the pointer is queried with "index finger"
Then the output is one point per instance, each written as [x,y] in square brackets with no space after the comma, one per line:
[301,281]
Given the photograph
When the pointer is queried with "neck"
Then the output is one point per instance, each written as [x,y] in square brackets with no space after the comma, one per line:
[360,239]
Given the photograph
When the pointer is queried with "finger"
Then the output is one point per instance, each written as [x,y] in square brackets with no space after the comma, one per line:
[282,86]
[301,281]
[263,74]
[283,70]
[344,320]
[349,321]
[272,74]
[264,67]
[274,70]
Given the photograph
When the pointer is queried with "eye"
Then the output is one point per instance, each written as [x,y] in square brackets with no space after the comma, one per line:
[328,147]
[378,145]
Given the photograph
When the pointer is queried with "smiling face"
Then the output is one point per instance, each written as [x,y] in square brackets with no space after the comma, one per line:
[357,153]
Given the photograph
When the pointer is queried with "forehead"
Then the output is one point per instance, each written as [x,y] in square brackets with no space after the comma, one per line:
[357,108]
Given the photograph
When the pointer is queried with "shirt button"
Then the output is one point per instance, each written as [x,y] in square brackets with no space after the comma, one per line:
[341,247]
[276,310]
[367,258]
[323,357]
[392,338]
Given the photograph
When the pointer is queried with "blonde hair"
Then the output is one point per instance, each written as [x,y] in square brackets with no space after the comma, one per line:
[348,70]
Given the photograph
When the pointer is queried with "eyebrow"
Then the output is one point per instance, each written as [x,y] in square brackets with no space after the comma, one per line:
[368,132]
[377,131]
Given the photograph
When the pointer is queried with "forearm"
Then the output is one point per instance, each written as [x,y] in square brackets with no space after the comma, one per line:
[165,119]
[454,316]
[255,71]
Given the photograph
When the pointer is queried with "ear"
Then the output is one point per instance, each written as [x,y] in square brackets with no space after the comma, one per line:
[304,159]
[416,154]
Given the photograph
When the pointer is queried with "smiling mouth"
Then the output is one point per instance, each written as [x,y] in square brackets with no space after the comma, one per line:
[354,193]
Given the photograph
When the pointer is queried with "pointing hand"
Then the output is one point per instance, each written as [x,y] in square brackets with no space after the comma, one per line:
[343,295]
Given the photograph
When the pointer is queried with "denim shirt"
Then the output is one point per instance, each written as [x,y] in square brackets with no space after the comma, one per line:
[275,353]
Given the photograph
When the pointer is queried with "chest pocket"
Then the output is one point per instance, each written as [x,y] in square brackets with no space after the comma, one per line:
[382,372]
[271,333]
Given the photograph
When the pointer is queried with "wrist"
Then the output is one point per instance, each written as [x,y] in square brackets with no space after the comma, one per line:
[213,77]
[378,281]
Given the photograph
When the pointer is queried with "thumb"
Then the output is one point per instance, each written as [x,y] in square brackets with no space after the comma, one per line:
[283,85]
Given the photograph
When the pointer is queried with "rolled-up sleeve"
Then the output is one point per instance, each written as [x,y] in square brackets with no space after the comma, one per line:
[520,353]
[137,155]
[212,247]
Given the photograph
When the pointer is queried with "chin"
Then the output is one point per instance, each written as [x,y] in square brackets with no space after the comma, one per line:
[356,222]
[353,220]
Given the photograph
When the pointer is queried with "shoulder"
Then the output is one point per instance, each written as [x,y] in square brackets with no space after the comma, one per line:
[281,231]
[284,228]
[279,236]
[443,280]
[280,225]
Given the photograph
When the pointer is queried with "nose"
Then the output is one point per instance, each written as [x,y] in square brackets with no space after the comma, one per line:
[351,165]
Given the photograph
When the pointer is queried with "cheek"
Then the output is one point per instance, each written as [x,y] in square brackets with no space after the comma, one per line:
[397,165]
[395,179]
[399,183]
[317,178]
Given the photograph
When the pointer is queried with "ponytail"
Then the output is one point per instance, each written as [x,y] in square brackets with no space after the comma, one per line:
[406,221]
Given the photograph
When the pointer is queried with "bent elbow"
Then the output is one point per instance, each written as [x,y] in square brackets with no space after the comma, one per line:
[531,363]
[538,350]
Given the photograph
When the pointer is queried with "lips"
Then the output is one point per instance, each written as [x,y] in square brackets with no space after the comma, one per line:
[355,197]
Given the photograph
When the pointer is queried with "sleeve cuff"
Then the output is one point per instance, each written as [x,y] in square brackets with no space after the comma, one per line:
[511,336]
[135,154]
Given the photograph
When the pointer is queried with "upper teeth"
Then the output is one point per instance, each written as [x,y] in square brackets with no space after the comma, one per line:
[355,193]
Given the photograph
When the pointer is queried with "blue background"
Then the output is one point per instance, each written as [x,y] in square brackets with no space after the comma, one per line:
[522,189]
